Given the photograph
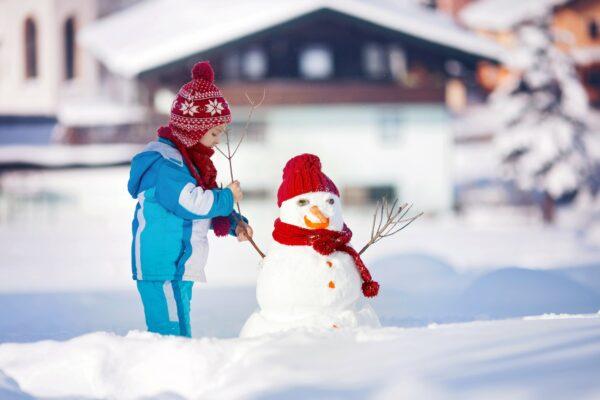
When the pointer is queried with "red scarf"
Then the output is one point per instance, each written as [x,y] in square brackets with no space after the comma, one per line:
[325,242]
[197,159]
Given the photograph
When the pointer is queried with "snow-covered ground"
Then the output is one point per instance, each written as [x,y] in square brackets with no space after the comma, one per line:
[545,358]
[64,272]
[71,231]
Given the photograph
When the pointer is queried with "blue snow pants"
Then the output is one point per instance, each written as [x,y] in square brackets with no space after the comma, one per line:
[167,306]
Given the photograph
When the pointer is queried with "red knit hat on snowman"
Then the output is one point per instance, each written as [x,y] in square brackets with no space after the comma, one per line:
[198,107]
[303,174]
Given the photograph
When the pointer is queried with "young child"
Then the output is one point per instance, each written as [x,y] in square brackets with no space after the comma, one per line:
[174,180]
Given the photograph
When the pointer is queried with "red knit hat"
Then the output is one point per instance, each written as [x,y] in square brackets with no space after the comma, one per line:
[302,174]
[198,107]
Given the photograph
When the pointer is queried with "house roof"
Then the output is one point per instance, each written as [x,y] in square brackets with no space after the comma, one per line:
[500,15]
[157,32]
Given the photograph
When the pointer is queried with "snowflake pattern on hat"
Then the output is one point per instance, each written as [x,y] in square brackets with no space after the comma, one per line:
[214,107]
[188,108]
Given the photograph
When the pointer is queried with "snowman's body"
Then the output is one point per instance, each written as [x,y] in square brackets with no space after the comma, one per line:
[298,287]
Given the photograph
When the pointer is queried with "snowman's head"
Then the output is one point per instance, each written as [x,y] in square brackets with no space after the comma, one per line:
[315,210]
[307,197]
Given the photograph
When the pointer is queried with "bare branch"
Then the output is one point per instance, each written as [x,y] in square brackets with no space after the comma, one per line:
[408,222]
[229,156]
[253,107]
[222,152]
[389,219]
[374,218]
[383,205]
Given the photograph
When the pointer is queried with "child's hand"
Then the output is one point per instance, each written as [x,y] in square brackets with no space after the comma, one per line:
[236,190]
[243,231]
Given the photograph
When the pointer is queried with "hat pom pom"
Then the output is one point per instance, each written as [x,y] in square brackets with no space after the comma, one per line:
[370,289]
[204,71]
[221,226]
[164,131]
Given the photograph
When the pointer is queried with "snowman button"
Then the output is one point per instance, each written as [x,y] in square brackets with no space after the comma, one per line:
[331,285]
[329,264]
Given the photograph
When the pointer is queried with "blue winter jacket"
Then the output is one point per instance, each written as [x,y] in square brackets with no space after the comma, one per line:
[172,216]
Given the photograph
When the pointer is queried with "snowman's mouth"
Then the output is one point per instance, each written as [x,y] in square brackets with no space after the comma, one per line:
[323,222]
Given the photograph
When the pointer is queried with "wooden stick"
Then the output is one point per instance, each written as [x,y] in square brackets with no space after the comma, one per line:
[386,218]
[229,156]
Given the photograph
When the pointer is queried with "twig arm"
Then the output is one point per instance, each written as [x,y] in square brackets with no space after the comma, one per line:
[389,220]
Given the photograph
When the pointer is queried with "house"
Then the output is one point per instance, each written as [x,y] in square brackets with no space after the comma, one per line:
[369,86]
[50,86]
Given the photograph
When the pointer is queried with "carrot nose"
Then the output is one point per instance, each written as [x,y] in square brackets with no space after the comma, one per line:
[316,211]
[323,219]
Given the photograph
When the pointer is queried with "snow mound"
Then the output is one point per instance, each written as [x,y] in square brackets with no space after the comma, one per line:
[560,316]
[516,291]
[546,358]
[10,390]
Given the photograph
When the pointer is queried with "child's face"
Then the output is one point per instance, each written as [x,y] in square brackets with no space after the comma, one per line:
[213,136]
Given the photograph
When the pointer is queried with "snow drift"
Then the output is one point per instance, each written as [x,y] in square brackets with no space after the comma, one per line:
[525,358]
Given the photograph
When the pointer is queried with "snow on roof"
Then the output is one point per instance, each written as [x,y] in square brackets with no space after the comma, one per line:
[498,15]
[156,32]
[98,112]
[586,55]
[63,156]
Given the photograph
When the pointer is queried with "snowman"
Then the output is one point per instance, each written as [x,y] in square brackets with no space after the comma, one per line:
[311,277]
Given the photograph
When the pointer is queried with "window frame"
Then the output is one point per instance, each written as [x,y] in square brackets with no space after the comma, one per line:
[30,48]
[69,48]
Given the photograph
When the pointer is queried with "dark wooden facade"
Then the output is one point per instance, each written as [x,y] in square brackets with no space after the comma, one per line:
[419,75]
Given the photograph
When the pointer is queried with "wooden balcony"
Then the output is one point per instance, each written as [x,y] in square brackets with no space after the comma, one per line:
[290,93]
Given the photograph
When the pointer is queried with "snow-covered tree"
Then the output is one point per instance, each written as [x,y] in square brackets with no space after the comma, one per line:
[543,135]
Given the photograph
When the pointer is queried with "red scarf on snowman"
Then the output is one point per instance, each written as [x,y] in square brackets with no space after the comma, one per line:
[302,174]
[325,242]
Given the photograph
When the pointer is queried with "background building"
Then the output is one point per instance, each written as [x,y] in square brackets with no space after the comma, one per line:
[49,86]
[374,82]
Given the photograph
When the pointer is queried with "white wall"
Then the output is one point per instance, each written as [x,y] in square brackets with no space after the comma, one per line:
[349,141]
[41,95]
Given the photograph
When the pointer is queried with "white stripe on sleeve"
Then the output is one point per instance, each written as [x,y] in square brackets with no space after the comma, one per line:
[196,200]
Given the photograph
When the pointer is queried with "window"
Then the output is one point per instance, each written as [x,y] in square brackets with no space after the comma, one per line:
[390,123]
[232,66]
[593,30]
[31,61]
[254,64]
[69,48]
[316,62]
[374,60]
[429,3]
[163,101]
[398,64]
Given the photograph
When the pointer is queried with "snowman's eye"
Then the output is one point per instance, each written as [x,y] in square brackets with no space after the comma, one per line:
[330,201]
[303,202]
